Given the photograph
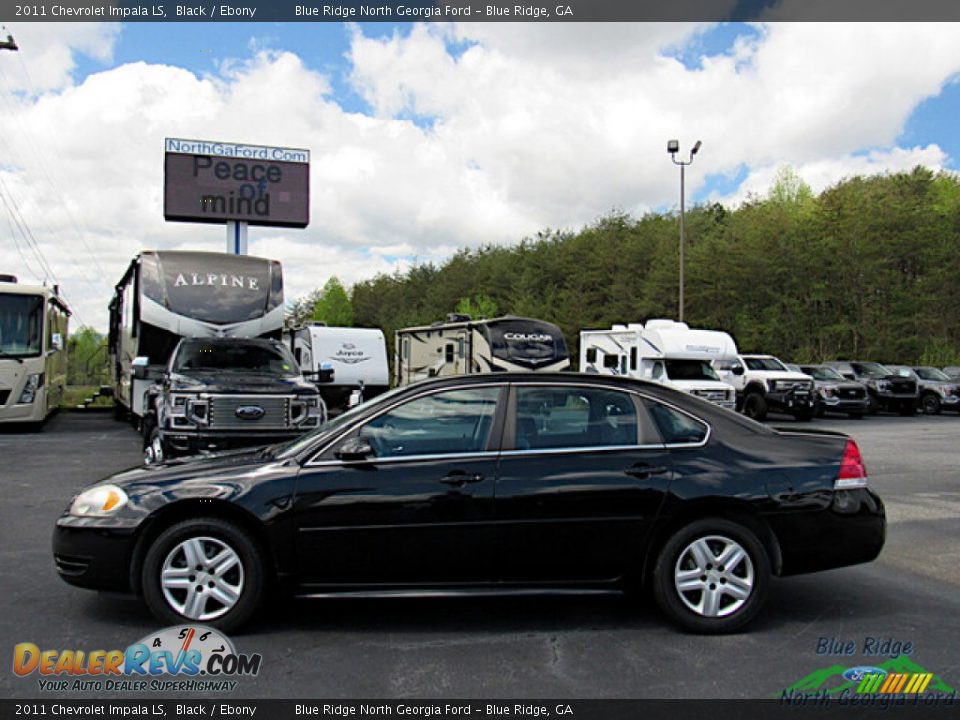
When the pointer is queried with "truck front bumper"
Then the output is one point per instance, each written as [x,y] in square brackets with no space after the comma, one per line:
[183,442]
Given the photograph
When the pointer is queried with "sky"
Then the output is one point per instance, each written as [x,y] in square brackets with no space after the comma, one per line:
[426,138]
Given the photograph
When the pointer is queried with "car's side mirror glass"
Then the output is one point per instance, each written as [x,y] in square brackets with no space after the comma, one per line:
[325,374]
[737,369]
[355,448]
[56,341]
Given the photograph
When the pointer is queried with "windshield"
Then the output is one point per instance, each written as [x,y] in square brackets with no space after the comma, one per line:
[763,363]
[21,325]
[874,370]
[821,373]
[929,373]
[236,357]
[690,370]
[298,445]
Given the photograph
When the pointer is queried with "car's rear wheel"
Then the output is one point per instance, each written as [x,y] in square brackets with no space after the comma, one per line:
[205,570]
[803,415]
[908,408]
[755,406]
[712,576]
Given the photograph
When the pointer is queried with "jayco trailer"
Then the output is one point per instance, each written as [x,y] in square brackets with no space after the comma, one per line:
[168,295]
[664,351]
[462,346]
[33,350]
[357,356]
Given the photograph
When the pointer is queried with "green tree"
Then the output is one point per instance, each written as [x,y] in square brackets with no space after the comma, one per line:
[478,307]
[87,357]
[333,305]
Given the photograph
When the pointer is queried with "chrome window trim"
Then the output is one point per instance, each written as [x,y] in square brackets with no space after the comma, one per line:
[631,391]
[544,451]
[353,426]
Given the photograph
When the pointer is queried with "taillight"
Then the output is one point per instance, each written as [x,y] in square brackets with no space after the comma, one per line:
[853,473]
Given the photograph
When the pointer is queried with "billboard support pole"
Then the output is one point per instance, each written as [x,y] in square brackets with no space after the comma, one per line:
[236,237]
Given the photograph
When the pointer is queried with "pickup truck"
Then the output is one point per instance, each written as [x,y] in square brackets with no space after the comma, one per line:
[763,383]
[887,390]
[223,393]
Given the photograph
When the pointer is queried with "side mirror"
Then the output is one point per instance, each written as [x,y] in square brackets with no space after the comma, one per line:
[356,448]
[140,365]
[325,374]
[737,370]
[56,341]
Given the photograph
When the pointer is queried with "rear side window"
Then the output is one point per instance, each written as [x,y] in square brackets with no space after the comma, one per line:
[574,417]
[676,427]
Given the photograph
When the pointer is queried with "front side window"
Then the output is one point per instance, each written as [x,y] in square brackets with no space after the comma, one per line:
[445,423]
[929,373]
[676,427]
[873,370]
[611,361]
[690,370]
[764,363]
[21,325]
[573,417]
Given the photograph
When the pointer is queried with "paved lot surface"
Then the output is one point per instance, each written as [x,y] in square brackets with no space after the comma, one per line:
[572,647]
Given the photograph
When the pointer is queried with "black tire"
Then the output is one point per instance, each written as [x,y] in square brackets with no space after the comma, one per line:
[119,411]
[930,404]
[755,406]
[251,561]
[873,405]
[820,411]
[668,597]
[855,415]
[803,415]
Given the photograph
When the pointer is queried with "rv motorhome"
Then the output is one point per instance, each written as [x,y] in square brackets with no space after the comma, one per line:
[168,295]
[33,350]
[665,352]
[357,356]
[462,346]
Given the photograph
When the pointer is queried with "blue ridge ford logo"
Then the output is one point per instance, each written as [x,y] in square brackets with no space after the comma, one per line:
[249,412]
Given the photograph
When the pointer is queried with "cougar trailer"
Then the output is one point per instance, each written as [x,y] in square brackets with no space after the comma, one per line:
[664,351]
[357,356]
[33,350]
[462,346]
[165,296]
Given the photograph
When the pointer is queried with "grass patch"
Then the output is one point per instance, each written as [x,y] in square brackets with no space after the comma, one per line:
[74,395]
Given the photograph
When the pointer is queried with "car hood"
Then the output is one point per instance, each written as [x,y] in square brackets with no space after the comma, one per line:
[203,467]
[838,384]
[780,375]
[240,383]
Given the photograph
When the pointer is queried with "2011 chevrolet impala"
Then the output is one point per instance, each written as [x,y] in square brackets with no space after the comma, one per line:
[483,483]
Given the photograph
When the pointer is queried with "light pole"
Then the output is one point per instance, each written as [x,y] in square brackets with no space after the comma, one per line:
[673,147]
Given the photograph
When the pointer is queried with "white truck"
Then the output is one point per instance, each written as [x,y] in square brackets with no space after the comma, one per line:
[764,383]
[663,351]
[357,356]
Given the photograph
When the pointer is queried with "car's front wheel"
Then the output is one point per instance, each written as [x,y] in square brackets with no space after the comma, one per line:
[930,404]
[204,570]
[712,576]
[755,406]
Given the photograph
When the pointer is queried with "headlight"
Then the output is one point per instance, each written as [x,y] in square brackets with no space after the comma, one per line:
[99,501]
[30,388]
[882,385]
[826,392]
[178,406]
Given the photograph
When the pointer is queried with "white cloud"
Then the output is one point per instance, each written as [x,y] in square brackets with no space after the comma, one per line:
[520,127]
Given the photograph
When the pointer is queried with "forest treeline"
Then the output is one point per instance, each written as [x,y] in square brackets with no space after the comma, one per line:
[869,268]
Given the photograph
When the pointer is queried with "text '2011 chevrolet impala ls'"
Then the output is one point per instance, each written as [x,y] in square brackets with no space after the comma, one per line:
[481,483]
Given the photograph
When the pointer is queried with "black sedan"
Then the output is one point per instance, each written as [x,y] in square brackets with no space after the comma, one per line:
[483,483]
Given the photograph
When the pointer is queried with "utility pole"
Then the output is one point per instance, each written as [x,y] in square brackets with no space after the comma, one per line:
[673,147]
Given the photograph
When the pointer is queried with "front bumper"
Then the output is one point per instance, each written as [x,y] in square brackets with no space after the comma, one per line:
[845,404]
[95,553]
[850,531]
[791,401]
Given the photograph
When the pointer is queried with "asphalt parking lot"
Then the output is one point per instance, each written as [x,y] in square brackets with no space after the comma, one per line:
[513,647]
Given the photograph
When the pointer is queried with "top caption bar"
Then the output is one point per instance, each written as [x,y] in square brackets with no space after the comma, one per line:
[482,11]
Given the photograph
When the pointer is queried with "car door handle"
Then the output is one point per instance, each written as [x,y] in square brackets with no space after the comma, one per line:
[459,479]
[642,472]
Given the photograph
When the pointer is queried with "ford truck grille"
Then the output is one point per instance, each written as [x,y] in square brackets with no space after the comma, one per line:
[714,396]
[224,415]
[851,393]
[902,386]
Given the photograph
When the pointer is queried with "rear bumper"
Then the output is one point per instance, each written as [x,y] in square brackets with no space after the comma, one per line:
[852,530]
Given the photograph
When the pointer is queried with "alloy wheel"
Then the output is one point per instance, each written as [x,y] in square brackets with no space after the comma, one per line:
[714,576]
[202,578]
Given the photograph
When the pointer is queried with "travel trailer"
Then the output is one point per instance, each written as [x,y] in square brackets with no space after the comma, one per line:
[357,357]
[663,351]
[33,350]
[165,296]
[463,346]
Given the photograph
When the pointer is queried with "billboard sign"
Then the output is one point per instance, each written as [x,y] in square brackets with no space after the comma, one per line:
[215,182]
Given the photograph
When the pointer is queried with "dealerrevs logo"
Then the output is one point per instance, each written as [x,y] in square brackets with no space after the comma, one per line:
[201,657]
